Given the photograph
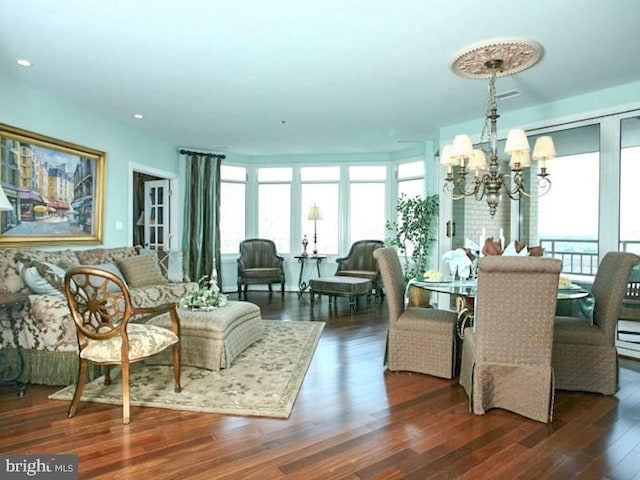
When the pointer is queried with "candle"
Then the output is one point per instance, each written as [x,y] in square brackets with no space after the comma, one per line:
[501,239]
[483,235]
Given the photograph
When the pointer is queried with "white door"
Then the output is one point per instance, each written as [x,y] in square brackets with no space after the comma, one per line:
[157,235]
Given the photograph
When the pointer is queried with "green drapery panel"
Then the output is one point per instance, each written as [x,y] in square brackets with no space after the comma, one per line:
[201,232]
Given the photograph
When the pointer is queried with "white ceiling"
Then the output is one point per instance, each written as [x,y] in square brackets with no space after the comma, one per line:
[296,76]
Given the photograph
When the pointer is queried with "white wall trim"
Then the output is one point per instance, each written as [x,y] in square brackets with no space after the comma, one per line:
[176,239]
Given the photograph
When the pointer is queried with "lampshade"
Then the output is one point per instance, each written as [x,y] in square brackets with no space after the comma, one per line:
[478,161]
[314,213]
[4,201]
[521,158]
[140,222]
[544,149]
[517,142]
[462,147]
[445,156]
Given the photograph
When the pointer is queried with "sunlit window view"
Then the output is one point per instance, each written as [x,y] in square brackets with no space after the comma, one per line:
[629,175]
[320,188]
[575,177]
[274,206]
[367,213]
[232,207]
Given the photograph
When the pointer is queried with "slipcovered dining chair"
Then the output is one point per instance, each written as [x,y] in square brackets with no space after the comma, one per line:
[584,353]
[101,308]
[419,339]
[506,356]
[360,263]
[259,263]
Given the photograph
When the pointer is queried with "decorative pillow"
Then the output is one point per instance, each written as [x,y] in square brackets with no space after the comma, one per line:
[170,262]
[97,256]
[142,271]
[44,278]
[111,268]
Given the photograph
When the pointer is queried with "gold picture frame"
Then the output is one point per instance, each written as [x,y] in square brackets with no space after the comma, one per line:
[55,190]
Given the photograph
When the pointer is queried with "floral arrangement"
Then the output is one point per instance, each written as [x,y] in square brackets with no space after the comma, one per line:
[207,297]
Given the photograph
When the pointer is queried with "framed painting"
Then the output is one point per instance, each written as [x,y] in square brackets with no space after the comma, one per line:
[54,191]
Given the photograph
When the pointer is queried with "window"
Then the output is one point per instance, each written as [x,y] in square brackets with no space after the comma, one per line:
[629,174]
[274,206]
[367,200]
[411,179]
[320,187]
[575,188]
[232,207]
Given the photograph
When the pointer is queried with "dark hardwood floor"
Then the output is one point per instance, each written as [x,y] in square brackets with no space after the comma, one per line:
[352,420]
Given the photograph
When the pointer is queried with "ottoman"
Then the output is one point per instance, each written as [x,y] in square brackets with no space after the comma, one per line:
[341,286]
[212,339]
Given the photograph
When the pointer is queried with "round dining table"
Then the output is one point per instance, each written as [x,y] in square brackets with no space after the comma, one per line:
[465,291]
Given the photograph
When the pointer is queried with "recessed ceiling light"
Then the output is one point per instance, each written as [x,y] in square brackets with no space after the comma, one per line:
[139,116]
[23,62]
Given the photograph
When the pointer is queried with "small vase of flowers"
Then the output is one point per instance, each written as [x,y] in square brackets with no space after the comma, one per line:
[207,297]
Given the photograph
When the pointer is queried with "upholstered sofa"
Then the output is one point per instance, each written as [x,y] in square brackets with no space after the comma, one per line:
[42,322]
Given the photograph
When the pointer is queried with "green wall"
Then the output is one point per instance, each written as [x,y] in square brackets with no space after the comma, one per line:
[39,112]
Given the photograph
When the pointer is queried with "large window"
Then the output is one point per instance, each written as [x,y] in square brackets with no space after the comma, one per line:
[320,188]
[367,213]
[567,219]
[274,206]
[629,175]
[232,207]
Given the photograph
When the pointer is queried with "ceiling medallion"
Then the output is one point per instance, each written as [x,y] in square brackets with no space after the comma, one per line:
[509,55]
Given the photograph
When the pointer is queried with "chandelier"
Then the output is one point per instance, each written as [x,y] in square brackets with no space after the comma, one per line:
[492,59]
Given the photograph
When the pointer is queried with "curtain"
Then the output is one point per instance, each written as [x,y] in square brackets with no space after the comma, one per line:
[201,232]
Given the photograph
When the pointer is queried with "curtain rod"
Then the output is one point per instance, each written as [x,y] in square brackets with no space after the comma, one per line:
[191,152]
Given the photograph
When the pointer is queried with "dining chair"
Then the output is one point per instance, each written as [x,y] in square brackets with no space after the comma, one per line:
[419,339]
[506,355]
[100,305]
[584,353]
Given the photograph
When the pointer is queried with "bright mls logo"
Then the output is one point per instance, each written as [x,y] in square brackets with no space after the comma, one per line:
[50,467]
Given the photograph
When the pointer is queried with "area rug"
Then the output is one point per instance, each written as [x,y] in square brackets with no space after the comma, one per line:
[264,380]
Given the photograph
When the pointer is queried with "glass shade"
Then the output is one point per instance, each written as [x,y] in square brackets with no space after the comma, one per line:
[516,142]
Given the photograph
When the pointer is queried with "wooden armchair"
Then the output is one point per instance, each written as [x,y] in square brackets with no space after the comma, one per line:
[101,308]
[259,263]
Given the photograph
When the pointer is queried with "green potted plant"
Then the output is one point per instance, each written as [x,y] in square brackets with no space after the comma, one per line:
[413,233]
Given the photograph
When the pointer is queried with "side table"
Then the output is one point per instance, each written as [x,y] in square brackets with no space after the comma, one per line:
[9,304]
[302,259]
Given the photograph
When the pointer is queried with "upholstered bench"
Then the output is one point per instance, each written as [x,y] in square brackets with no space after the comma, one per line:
[212,339]
[341,286]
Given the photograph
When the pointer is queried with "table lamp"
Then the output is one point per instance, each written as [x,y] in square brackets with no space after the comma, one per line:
[315,215]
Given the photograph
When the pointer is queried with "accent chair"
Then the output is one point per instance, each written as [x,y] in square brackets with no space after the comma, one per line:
[101,308]
[360,263]
[259,263]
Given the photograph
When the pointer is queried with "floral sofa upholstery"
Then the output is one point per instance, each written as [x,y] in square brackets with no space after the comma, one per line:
[45,331]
